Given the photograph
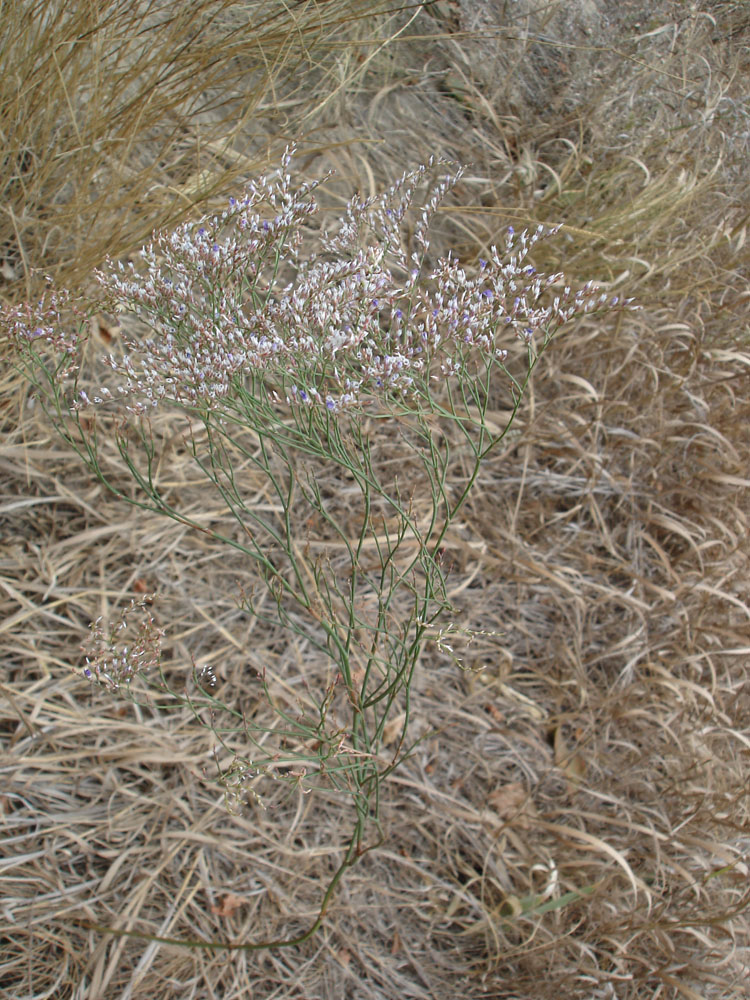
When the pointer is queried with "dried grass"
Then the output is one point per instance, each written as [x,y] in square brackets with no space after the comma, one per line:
[118,119]
[576,823]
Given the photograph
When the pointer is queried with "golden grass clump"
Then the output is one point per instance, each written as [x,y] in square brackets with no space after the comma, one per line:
[575,823]
[118,119]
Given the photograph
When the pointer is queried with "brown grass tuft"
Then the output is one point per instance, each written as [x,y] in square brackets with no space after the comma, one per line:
[122,118]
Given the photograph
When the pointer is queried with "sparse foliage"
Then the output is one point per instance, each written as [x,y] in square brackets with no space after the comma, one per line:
[285,377]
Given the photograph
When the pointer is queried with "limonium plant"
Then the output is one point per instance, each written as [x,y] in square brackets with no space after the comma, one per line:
[295,365]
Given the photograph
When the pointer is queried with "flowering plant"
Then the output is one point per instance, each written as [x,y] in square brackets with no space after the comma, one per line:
[287,362]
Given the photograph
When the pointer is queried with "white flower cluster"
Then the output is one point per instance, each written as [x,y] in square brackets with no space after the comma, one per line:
[111,659]
[30,325]
[363,319]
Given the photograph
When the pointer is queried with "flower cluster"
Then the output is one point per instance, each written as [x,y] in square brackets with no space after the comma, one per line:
[32,324]
[111,659]
[363,319]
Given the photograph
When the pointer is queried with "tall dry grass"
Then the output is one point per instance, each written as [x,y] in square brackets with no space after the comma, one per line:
[575,823]
[120,118]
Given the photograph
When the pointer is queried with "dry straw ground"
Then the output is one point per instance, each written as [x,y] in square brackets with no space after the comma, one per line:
[578,822]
